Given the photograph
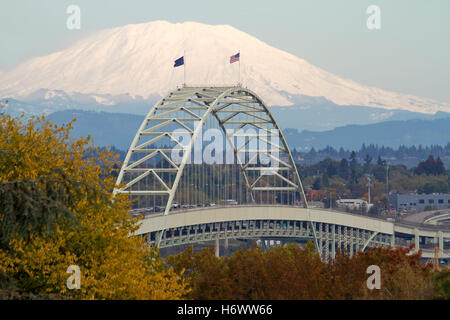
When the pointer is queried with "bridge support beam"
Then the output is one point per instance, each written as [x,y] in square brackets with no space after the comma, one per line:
[333,245]
[374,233]
[351,249]
[416,240]
[441,243]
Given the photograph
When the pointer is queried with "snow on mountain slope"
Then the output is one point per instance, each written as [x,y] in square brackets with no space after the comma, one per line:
[138,60]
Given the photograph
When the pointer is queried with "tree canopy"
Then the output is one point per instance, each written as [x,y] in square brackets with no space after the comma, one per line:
[56,210]
[430,166]
[294,272]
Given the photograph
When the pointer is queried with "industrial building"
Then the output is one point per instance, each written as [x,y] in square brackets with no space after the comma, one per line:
[419,202]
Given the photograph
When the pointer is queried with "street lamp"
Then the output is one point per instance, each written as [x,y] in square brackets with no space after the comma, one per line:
[387,179]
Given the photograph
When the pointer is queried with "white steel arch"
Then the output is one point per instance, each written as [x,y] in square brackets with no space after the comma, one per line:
[234,108]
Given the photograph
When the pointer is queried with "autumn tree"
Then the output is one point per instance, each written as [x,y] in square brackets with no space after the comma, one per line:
[403,276]
[287,272]
[430,166]
[294,272]
[56,210]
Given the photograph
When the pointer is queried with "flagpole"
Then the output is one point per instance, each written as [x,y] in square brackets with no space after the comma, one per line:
[184,69]
[239,81]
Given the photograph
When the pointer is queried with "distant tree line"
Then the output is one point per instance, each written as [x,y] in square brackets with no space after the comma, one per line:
[407,156]
[403,155]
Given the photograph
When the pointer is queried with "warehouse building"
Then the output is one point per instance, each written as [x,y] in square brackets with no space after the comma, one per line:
[419,202]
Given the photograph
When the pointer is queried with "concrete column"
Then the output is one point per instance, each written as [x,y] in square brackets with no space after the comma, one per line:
[346,239]
[339,229]
[352,233]
[333,235]
[217,248]
[321,241]
[319,234]
[393,240]
[416,240]
[441,243]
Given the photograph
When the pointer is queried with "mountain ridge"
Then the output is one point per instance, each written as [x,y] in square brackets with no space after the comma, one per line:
[137,60]
[118,130]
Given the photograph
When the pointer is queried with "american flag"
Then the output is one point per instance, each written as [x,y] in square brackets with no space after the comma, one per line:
[234,58]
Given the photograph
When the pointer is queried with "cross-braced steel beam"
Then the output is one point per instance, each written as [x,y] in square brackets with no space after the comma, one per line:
[150,170]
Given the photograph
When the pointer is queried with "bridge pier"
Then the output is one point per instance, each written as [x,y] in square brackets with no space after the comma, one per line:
[333,236]
[416,240]
[351,249]
[217,248]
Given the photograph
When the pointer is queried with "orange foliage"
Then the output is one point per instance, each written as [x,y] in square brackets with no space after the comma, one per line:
[293,272]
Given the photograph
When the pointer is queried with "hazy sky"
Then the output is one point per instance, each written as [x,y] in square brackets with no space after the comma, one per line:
[409,54]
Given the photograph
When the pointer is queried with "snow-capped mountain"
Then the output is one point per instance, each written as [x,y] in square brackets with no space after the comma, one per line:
[135,63]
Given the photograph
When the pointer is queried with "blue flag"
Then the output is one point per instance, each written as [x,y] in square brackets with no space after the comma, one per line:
[179,62]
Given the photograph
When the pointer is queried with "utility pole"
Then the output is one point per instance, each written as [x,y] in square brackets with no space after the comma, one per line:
[184,68]
[368,186]
[330,199]
[239,79]
[387,179]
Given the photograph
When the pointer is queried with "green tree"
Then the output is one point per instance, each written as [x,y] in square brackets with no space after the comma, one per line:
[367,163]
[353,168]
[442,283]
[317,184]
[331,169]
[325,180]
[436,186]
[343,170]
[381,162]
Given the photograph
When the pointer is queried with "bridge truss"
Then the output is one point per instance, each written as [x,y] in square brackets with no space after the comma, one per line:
[170,164]
[168,152]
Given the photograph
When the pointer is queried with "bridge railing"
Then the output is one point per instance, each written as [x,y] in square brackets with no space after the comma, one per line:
[200,208]
[422,226]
